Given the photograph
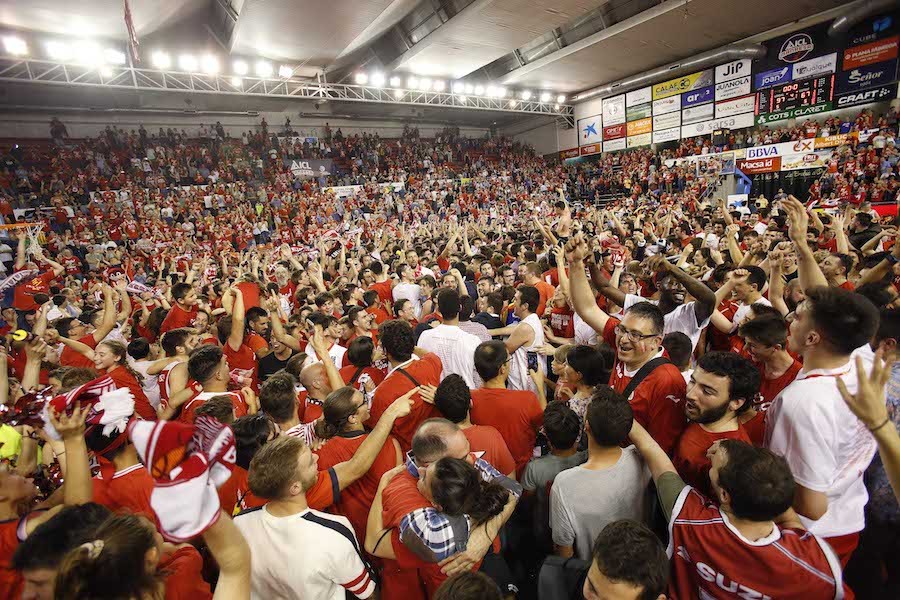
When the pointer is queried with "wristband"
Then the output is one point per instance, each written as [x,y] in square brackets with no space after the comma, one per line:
[883,423]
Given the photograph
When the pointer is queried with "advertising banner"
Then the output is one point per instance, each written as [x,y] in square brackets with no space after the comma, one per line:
[773,77]
[879,94]
[589,130]
[701,96]
[834,140]
[733,88]
[782,149]
[762,165]
[667,105]
[733,70]
[643,139]
[666,121]
[680,85]
[590,149]
[309,167]
[613,145]
[812,160]
[614,110]
[867,54]
[638,127]
[570,153]
[876,28]
[614,132]
[804,111]
[641,111]
[707,127]
[737,106]
[666,135]
[824,65]
[641,96]
[865,77]
[695,114]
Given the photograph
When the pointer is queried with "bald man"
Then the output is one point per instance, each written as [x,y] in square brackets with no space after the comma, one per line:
[315,379]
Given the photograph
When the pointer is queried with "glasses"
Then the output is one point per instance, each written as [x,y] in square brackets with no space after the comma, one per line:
[634,336]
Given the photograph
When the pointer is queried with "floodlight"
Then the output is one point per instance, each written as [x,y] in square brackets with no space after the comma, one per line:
[241,67]
[15,46]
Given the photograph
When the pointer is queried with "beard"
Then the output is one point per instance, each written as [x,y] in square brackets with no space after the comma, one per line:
[710,415]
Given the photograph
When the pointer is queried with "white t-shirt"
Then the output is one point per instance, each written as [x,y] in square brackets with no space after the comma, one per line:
[151,382]
[411,292]
[825,445]
[336,352]
[519,377]
[584,333]
[307,556]
[681,319]
[456,349]
[744,309]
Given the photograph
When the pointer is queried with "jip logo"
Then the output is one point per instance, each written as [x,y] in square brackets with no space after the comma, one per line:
[795,48]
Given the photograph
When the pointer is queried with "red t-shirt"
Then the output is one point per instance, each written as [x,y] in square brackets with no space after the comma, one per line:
[356,499]
[184,575]
[347,373]
[848,285]
[516,414]
[72,358]
[384,289]
[426,371]
[178,317]
[245,359]
[129,488]
[311,409]
[690,454]
[488,441]
[768,391]
[189,409]
[23,298]
[256,342]
[546,291]
[10,579]
[658,402]
[123,379]
[562,322]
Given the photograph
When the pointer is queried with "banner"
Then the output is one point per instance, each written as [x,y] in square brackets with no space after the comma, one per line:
[589,149]
[879,94]
[667,121]
[614,110]
[834,140]
[680,85]
[641,96]
[638,127]
[614,132]
[635,113]
[666,135]
[707,127]
[864,77]
[867,54]
[589,130]
[804,111]
[773,77]
[696,114]
[667,105]
[784,148]
[613,145]
[733,70]
[570,153]
[696,97]
[39,213]
[299,139]
[318,167]
[812,160]
[824,65]
[733,88]
[763,165]
[343,191]
[735,107]
[643,139]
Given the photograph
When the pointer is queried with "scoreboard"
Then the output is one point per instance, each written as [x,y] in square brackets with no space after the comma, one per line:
[798,94]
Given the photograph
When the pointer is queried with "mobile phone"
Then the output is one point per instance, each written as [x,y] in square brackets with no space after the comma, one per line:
[532,360]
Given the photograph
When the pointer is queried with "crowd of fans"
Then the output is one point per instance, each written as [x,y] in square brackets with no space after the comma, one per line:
[224,380]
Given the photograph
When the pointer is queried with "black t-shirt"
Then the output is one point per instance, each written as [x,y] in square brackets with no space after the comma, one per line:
[270,364]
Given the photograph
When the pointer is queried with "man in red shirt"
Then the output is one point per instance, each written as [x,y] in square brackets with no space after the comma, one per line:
[258,331]
[722,388]
[383,285]
[518,415]
[82,330]
[241,358]
[406,372]
[183,311]
[23,299]
[835,269]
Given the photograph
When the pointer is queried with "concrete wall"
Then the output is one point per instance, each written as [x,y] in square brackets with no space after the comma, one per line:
[546,136]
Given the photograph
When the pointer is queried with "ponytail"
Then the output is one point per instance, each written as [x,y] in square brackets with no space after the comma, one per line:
[459,489]
[339,406]
[121,353]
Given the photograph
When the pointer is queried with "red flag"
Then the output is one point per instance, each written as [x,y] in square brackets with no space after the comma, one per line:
[132,34]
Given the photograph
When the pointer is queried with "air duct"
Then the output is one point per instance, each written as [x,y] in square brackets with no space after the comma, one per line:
[701,61]
[856,14]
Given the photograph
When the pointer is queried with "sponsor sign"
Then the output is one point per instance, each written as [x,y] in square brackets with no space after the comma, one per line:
[868,54]
[833,140]
[737,106]
[701,96]
[733,70]
[666,135]
[570,153]
[867,76]
[614,110]
[773,77]
[641,96]
[589,130]
[666,121]
[762,165]
[815,66]
[613,145]
[309,168]
[590,149]
[810,160]
[643,139]
[638,127]
[695,114]
[798,147]
[680,85]
[879,94]
[707,127]
[733,88]
[641,111]
[796,48]
[870,30]
[667,105]
[803,111]
[614,132]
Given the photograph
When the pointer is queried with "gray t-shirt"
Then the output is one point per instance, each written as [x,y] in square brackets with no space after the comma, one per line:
[538,474]
[584,501]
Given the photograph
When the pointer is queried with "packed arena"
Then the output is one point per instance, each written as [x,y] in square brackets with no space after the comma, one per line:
[505,327]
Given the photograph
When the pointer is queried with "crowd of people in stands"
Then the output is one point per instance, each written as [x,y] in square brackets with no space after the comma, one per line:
[474,384]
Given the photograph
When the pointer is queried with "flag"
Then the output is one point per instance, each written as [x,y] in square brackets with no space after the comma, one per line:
[132,34]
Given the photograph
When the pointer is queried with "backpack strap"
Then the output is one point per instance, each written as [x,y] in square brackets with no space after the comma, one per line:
[642,374]
[408,376]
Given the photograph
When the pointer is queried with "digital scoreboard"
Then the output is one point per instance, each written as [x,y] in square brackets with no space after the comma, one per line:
[798,94]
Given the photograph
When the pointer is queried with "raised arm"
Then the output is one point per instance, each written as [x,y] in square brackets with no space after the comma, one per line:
[273,304]
[605,286]
[705,301]
[232,555]
[321,348]
[20,250]
[809,273]
[236,337]
[109,317]
[582,298]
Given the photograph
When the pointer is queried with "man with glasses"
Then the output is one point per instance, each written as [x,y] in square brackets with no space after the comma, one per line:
[657,397]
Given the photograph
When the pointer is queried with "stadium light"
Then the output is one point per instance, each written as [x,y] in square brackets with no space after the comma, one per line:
[188,62]
[161,60]
[479,90]
[556,106]
[59,50]
[398,94]
[492,91]
[396,81]
[425,84]
[513,103]
[526,95]
[462,99]
[285,71]
[458,87]
[468,88]
[439,85]
[240,67]
[106,72]
[264,69]
[545,97]
[502,91]
[412,83]
[361,78]
[209,64]
[377,79]
[88,53]
[114,57]
[560,99]
[15,46]
[236,82]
